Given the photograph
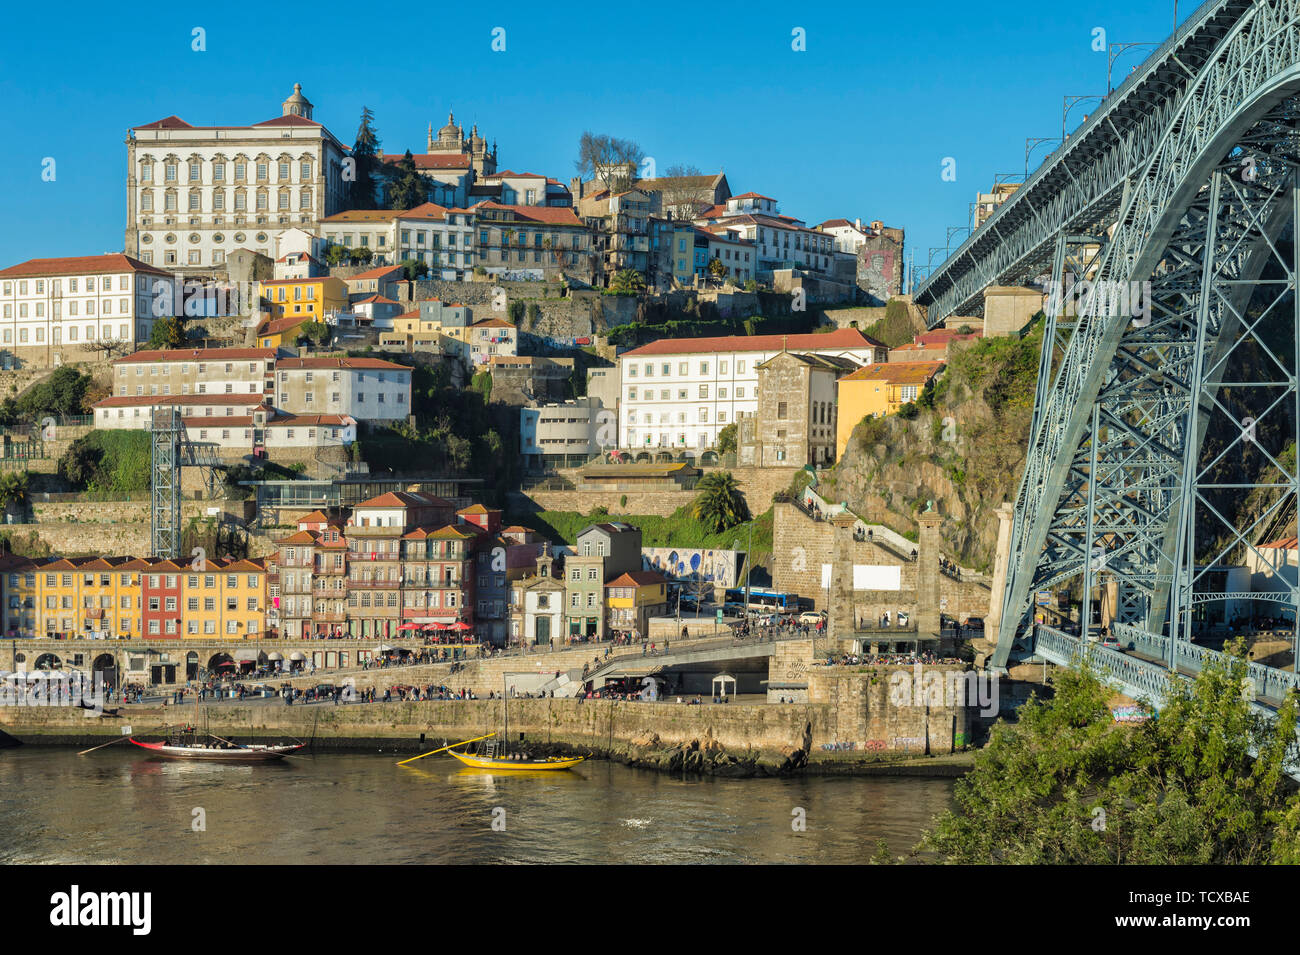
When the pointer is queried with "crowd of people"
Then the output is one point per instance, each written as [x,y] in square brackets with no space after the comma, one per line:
[925,658]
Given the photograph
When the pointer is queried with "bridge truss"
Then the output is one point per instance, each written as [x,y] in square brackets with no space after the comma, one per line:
[1150,427]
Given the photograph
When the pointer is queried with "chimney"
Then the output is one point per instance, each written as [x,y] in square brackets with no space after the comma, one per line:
[857,224]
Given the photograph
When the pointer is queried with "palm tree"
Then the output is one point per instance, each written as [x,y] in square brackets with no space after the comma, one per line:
[13,492]
[720,504]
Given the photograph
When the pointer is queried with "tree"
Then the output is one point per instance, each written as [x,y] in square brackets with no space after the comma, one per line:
[627,280]
[167,332]
[63,392]
[366,153]
[361,256]
[1068,785]
[716,268]
[336,254]
[108,347]
[684,191]
[607,159]
[13,490]
[414,269]
[410,189]
[726,443]
[316,331]
[719,503]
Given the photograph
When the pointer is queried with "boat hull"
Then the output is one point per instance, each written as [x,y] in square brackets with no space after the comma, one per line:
[516,765]
[250,754]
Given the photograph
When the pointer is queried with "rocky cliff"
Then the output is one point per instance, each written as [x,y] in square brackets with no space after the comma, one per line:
[961,445]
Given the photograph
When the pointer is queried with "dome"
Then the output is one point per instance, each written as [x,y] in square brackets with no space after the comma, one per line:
[449,131]
[297,104]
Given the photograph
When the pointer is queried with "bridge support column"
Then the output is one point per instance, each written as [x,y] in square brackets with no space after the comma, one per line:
[927,576]
[840,622]
[1006,513]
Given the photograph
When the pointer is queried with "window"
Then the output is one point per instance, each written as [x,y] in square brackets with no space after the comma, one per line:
[781,409]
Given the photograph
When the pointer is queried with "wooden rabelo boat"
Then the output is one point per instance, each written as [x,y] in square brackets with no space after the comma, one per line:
[188,744]
[497,756]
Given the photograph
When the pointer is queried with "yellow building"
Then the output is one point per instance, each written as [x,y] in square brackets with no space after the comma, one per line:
[225,598]
[633,598]
[86,597]
[875,390]
[310,299]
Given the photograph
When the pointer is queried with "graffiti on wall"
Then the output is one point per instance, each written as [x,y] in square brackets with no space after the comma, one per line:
[717,567]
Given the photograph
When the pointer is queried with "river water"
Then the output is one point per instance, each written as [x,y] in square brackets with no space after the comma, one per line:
[114,806]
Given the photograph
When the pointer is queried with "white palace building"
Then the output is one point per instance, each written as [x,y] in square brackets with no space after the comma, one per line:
[195,194]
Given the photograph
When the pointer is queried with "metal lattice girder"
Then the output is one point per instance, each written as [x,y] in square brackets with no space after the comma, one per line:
[166,433]
[1081,186]
[1113,434]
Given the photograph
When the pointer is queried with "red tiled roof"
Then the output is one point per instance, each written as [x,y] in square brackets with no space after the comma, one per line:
[401,499]
[753,195]
[288,121]
[309,420]
[79,265]
[840,338]
[492,323]
[376,299]
[897,372]
[339,362]
[198,354]
[128,401]
[376,273]
[431,160]
[270,327]
[638,578]
[551,215]
[197,421]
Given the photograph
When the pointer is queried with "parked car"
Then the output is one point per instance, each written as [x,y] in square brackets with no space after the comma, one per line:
[812,617]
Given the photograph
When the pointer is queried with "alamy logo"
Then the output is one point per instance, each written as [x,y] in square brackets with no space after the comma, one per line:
[945,688]
[75,908]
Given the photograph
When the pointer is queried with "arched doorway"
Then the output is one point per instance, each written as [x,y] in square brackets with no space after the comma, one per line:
[191,665]
[48,661]
[221,663]
[105,668]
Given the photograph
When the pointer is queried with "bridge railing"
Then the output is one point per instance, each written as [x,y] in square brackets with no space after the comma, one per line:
[1138,677]
[1269,682]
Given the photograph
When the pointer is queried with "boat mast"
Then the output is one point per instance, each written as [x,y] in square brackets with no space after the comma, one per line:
[505,703]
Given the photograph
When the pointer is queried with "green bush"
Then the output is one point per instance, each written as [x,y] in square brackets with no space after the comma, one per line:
[117,461]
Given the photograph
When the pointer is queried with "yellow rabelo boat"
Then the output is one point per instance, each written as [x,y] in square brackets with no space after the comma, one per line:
[501,759]
[516,761]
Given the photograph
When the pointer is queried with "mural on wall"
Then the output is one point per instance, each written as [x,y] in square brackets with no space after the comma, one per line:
[880,269]
[718,567]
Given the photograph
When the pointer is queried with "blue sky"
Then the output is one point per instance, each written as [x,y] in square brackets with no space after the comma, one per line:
[857,125]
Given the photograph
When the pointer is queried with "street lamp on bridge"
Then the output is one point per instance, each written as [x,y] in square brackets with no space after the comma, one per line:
[1033,143]
[1070,102]
[1115,50]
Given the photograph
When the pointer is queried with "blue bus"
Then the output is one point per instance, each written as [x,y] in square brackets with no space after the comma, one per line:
[774,601]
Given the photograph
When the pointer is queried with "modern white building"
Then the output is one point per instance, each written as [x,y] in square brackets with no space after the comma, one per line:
[565,434]
[197,193]
[678,393]
[51,308]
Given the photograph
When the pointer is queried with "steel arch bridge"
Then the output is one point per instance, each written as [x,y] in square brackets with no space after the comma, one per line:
[1185,188]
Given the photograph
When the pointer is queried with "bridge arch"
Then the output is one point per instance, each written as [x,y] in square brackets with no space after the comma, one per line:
[1202,232]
